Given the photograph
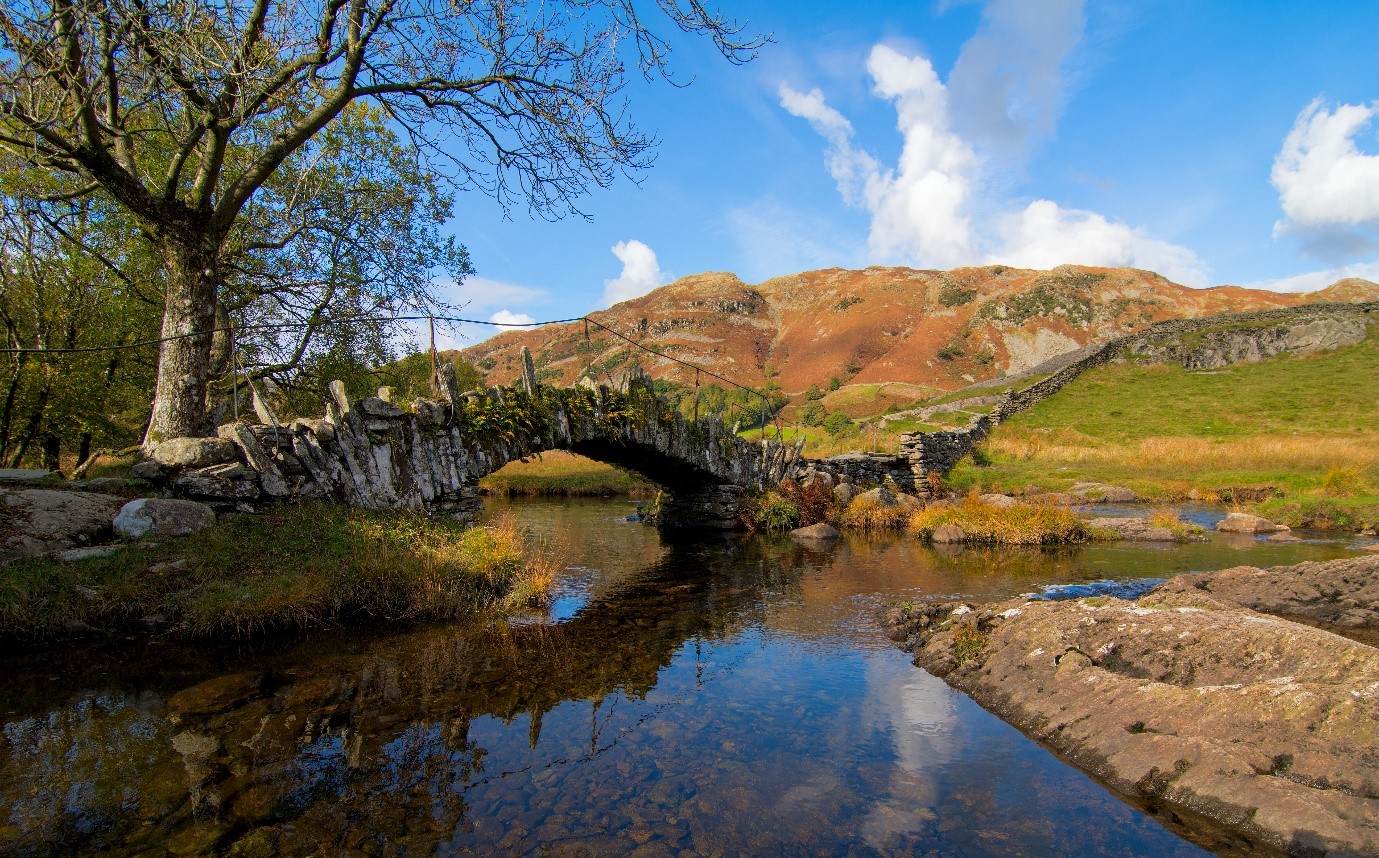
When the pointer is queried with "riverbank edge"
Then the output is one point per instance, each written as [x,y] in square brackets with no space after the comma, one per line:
[254,576]
[1245,732]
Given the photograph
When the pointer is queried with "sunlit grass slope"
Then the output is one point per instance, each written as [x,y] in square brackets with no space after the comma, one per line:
[1299,432]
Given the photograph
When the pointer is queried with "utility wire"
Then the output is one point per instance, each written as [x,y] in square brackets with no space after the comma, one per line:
[277,326]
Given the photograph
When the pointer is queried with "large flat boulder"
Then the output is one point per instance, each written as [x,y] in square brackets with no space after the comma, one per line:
[37,521]
[1246,732]
[162,517]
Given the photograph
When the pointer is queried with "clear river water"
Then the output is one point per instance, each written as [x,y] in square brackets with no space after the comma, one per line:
[715,696]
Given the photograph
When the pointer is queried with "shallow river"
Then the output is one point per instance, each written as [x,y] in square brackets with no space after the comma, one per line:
[717,697]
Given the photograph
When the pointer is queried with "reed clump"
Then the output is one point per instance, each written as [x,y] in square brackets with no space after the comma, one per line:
[870,515]
[1021,524]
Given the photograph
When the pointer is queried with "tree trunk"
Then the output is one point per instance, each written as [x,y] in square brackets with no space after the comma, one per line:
[52,453]
[184,358]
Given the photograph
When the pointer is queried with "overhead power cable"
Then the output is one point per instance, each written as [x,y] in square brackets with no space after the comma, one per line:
[279,326]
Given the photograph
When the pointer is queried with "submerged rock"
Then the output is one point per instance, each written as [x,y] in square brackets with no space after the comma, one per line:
[1243,522]
[1140,530]
[215,695]
[816,532]
[1238,729]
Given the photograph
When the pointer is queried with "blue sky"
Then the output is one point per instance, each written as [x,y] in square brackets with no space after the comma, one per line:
[1214,142]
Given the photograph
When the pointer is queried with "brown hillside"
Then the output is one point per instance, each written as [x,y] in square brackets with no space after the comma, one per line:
[933,329]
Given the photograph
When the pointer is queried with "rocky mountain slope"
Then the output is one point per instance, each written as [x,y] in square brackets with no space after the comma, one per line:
[929,331]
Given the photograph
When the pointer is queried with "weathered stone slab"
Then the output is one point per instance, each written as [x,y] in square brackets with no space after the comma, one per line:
[270,478]
[234,481]
[194,452]
[21,475]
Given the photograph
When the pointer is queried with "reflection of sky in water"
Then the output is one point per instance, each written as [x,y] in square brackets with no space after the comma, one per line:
[732,697]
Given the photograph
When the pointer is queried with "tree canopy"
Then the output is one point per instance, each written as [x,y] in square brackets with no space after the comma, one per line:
[183,112]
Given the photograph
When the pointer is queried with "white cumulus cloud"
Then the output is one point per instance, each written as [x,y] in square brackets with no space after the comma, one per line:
[1045,235]
[507,317]
[1329,188]
[924,209]
[640,273]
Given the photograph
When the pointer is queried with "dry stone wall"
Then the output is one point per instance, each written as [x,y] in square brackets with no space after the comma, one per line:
[1205,343]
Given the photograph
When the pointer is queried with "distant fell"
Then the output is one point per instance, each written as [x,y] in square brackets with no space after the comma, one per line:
[940,330]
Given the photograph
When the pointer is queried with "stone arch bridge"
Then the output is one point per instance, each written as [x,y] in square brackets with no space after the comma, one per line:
[431,455]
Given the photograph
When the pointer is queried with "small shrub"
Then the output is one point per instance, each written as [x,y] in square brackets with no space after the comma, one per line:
[813,414]
[813,393]
[848,301]
[968,643]
[835,383]
[771,512]
[953,295]
[1342,481]
[814,502]
[837,423]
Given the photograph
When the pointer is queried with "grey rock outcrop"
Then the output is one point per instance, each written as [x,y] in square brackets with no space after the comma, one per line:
[37,521]
[1248,729]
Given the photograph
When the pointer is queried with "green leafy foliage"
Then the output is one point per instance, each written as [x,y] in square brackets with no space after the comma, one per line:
[813,414]
[837,423]
[769,512]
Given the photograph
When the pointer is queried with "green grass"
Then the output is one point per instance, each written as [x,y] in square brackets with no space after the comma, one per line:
[1300,433]
[561,473]
[1333,393]
[298,566]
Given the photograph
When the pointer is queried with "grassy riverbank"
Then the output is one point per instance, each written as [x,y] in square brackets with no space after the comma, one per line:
[1296,438]
[558,473]
[294,567]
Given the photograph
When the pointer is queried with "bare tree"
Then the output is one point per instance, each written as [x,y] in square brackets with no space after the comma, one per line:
[181,110]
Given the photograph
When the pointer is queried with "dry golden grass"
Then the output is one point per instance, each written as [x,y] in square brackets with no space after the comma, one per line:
[1023,524]
[1319,453]
[866,514]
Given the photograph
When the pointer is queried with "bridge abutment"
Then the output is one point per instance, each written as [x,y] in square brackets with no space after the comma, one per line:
[705,508]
